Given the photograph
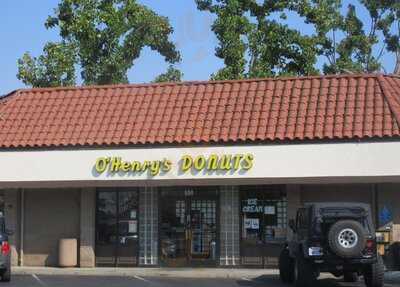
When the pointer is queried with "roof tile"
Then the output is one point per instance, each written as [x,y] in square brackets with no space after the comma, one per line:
[322,107]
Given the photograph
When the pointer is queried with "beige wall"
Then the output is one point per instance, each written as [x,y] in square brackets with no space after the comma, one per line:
[87,227]
[339,193]
[50,214]
[274,164]
[12,212]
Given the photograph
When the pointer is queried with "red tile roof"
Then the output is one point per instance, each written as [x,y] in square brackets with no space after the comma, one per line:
[306,108]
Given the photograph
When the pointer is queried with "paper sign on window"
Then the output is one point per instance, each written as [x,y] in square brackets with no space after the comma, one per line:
[251,223]
[247,223]
[255,224]
[132,227]
[270,210]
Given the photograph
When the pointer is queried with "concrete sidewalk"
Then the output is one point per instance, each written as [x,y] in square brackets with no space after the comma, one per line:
[219,273]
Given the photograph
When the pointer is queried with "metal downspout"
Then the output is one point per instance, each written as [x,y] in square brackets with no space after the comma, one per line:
[22,228]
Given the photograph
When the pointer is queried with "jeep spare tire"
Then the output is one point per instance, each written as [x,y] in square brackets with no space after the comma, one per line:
[347,238]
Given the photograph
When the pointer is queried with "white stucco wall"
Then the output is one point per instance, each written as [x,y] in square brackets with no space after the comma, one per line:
[344,162]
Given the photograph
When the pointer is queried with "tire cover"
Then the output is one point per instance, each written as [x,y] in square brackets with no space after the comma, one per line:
[347,238]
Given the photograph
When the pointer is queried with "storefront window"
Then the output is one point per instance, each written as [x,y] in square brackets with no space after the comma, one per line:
[264,222]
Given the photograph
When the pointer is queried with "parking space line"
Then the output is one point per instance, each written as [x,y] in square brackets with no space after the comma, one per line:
[142,279]
[38,280]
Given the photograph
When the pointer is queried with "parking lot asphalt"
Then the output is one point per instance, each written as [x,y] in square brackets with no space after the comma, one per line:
[138,281]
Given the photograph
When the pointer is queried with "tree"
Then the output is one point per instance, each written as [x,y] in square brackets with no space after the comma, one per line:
[101,37]
[54,68]
[171,75]
[392,36]
[254,44]
[363,41]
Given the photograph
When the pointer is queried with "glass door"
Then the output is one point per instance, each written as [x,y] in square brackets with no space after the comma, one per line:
[263,224]
[128,239]
[117,227]
[203,229]
[106,228]
[174,232]
[188,235]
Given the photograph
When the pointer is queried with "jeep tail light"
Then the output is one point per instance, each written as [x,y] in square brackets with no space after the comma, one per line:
[5,247]
[370,247]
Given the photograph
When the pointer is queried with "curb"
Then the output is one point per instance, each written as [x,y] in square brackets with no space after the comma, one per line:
[149,272]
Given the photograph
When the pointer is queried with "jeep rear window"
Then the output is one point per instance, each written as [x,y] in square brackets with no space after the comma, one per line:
[343,211]
[330,214]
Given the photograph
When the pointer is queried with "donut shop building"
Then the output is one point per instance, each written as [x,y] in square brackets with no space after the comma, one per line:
[192,174]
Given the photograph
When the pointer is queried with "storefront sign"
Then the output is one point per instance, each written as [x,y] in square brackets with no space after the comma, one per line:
[251,206]
[253,209]
[212,162]
[132,226]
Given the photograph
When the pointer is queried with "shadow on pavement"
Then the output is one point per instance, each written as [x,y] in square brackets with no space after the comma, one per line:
[393,279]
[273,281]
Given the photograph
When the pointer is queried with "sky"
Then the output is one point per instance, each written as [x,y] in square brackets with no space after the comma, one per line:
[22,29]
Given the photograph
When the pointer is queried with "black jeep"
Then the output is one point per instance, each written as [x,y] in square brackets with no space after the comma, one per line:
[332,237]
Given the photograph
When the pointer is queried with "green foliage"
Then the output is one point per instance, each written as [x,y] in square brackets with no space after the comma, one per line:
[392,36]
[54,68]
[171,75]
[253,43]
[362,41]
[107,36]
[354,52]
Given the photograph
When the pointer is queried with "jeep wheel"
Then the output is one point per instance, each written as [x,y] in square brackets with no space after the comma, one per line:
[286,267]
[347,238]
[374,274]
[350,277]
[304,273]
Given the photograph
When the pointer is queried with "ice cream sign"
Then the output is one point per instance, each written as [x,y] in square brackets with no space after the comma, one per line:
[252,206]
